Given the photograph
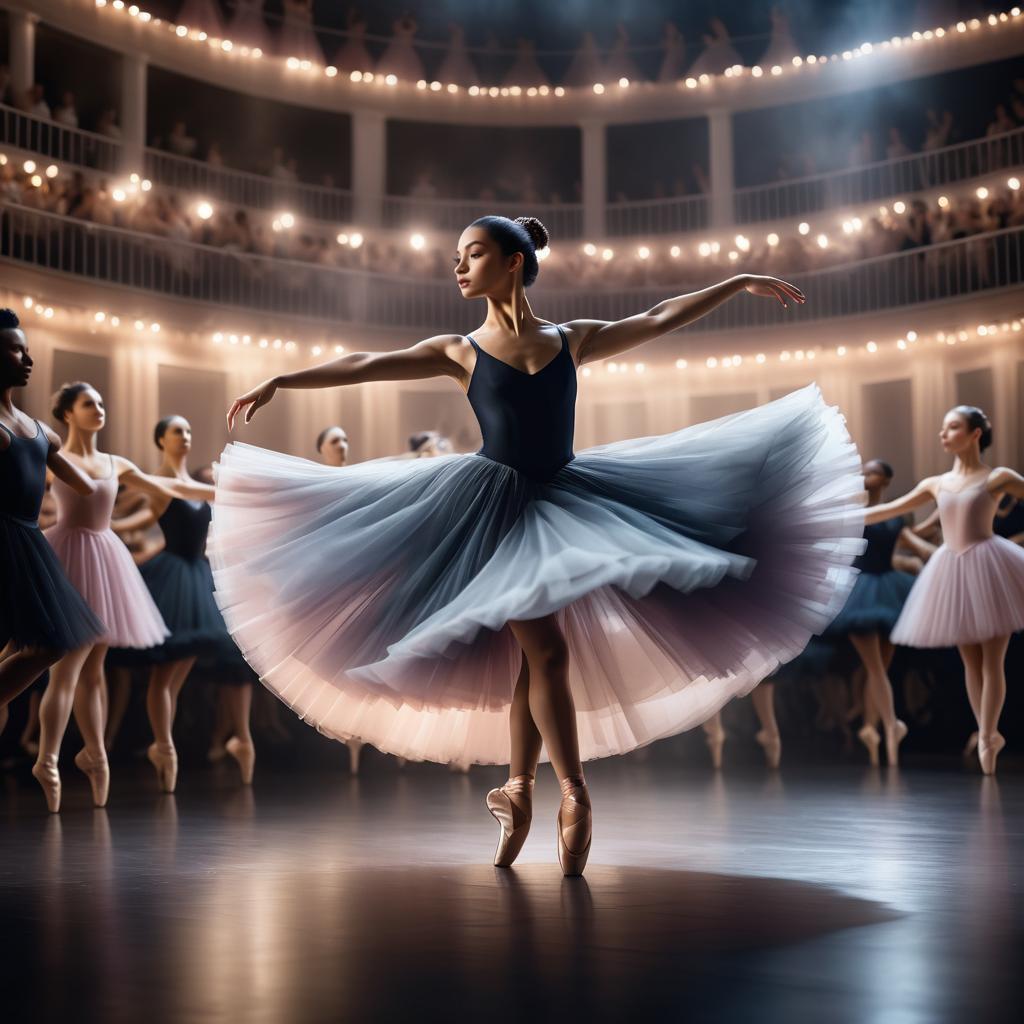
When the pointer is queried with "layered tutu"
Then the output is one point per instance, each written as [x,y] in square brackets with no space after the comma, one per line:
[684,568]
[38,605]
[874,604]
[965,597]
[102,570]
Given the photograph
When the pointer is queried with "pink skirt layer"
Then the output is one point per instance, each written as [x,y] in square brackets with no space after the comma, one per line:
[965,597]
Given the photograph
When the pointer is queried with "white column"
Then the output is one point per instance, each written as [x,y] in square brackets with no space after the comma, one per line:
[721,169]
[133,110]
[595,178]
[21,54]
[369,167]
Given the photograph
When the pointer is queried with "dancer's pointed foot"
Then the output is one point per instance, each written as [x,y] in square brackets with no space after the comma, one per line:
[97,771]
[47,775]
[462,767]
[894,736]
[512,807]
[244,753]
[868,735]
[972,744]
[574,826]
[164,758]
[355,748]
[715,739]
[771,742]
[988,751]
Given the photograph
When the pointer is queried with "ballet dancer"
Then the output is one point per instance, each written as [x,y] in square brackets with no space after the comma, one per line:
[971,592]
[102,569]
[478,606]
[768,736]
[180,582]
[332,446]
[42,615]
[871,612]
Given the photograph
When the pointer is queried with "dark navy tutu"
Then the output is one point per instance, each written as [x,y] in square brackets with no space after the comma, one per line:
[683,569]
[39,607]
[874,604]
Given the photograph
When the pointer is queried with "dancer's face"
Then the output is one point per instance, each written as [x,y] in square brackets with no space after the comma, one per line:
[875,478]
[480,267]
[334,449]
[177,439]
[956,434]
[15,362]
[88,412]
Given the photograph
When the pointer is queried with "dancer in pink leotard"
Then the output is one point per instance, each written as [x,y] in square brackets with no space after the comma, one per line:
[971,592]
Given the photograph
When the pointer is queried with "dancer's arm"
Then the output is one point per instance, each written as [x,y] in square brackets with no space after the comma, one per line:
[922,548]
[64,469]
[920,495]
[140,520]
[428,358]
[601,339]
[1006,481]
[161,486]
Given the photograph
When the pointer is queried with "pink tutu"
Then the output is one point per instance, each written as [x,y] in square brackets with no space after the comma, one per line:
[965,597]
[100,567]
[972,588]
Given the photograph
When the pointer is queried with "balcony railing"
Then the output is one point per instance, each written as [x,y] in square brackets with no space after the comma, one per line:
[883,180]
[263,285]
[777,201]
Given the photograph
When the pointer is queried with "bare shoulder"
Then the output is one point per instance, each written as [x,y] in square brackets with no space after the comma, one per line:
[53,437]
[579,331]
[1001,477]
[930,485]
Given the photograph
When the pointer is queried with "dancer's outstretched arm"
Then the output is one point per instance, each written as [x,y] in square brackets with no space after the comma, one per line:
[160,486]
[601,339]
[427,358]
[920,495]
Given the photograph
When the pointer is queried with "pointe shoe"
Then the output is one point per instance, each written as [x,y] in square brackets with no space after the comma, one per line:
[772,744]
[868,735]
[574,826]
[245,754]
[972,744]
[893,738]
[166,764]
[512,807]
[715,742]
[47,775]
[354,750]
[988,751]
[97,770]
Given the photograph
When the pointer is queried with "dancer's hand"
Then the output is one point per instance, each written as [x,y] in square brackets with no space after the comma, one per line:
[251,401]
[772,287]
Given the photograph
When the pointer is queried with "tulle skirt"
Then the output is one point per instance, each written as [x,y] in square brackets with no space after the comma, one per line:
[965,597]
[874,604]
[182,590]
[683,569]
[102,570]
[39,607]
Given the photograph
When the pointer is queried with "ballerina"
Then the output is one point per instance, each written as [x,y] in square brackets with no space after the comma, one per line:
[247,26]
[354,54]
[180,582]
[674,59]
[477,607]
[102,569]
[400,57]
[42,615]
[871,612]
[457,66]
[971,592]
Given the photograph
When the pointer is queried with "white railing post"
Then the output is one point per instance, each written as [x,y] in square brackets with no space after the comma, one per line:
[369,166]
[133,111]
[720,154]
[595,178]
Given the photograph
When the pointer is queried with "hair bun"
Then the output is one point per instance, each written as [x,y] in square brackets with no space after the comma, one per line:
[537,232]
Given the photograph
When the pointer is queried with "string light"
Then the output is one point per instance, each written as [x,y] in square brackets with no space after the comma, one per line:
[797,65]
[984,333]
